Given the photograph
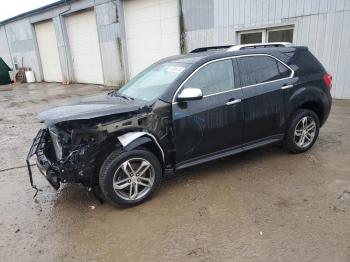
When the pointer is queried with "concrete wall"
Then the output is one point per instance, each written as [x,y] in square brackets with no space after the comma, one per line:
[22,39]
[322,25]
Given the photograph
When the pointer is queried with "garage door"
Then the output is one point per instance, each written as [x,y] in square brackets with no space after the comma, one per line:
[84,47]
[152,31]
[47,43]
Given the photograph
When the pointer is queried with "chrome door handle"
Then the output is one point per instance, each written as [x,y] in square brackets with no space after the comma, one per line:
[286,87]
[236,101]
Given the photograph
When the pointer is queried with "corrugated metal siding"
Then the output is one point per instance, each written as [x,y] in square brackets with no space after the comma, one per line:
[322,25]
[22,45]
[4,48]
[110,44]
[22,39]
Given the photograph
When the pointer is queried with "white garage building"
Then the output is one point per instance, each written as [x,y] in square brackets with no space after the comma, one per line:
[109,41]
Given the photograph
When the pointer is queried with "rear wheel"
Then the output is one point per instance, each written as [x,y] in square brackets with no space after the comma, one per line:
[130,178]
[302,131]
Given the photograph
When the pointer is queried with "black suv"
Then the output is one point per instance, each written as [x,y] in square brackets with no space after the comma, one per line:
[183,111]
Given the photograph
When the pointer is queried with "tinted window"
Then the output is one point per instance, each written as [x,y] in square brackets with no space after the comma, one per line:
[260,69]
[283,70]
[213,78]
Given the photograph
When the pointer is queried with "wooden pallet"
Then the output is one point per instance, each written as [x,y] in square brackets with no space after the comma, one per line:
[21,75]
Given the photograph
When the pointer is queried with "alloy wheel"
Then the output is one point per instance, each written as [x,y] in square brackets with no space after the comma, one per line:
[133,179]
[305,131]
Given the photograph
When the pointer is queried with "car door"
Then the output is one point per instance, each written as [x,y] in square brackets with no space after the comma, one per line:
[213,123]
[262,79]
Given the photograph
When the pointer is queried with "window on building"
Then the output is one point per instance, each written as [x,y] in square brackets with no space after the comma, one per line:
[285,35]
[282,34]
[251,38]
[261,69]
[213,78]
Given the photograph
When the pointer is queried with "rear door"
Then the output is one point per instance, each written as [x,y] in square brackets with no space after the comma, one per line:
[213,123]
[263,79]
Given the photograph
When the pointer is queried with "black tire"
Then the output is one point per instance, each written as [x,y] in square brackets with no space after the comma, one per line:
[290,138]
[113,163]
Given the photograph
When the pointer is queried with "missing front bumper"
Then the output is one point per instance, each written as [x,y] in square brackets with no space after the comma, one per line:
[43,163]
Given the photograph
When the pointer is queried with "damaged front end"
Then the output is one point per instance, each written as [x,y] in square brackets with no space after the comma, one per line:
[72,151]
[78,137]
[66,153]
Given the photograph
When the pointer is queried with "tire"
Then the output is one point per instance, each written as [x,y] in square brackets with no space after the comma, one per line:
[297,130]
[122,185]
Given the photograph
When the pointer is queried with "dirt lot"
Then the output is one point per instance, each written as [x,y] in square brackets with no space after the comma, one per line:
[263,205]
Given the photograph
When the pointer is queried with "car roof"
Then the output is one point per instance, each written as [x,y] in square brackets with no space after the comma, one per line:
[192,58]
[189,58]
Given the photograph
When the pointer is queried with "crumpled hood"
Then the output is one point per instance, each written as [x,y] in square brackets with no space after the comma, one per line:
[88,108]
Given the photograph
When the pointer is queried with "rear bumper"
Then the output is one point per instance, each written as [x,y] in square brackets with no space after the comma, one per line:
[327,106]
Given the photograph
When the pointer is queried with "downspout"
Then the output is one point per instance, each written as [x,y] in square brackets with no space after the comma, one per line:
[8,45]
[183,47]
[64,37]
[122,37]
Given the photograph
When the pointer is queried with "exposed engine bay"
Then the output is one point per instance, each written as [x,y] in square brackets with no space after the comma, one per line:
[71,151]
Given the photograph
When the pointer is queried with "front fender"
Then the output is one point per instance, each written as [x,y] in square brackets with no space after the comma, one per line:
[134,139]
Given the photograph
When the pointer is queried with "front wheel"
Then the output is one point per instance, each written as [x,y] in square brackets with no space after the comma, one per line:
[130,178]
[302,131]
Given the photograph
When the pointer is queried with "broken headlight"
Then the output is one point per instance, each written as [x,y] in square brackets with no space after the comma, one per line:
[56,144]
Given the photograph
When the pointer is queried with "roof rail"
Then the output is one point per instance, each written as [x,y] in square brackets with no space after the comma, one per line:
[208,48]
[252,46]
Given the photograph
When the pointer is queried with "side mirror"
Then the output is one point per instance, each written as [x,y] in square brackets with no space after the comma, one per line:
[190,94]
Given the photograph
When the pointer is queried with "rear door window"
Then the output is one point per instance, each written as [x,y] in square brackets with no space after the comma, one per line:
[260,69]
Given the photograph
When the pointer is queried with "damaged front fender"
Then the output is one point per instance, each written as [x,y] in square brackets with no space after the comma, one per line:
[132,140]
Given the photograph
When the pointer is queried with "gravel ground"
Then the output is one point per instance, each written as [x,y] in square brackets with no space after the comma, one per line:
[262,205]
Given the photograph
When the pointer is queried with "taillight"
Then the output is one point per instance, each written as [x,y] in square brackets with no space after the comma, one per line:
[327,78]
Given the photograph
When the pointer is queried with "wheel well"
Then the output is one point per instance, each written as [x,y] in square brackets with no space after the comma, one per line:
[153,148]
[315,107]
[107,147]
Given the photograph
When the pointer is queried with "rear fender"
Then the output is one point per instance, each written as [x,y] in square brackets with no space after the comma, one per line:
[305,95]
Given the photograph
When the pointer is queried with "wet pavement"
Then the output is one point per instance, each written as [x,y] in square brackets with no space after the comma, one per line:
[262,205]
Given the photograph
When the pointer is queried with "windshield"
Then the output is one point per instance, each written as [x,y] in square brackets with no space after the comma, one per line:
[151,83]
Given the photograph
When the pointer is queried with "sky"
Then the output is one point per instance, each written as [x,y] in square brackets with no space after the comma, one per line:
[10,8]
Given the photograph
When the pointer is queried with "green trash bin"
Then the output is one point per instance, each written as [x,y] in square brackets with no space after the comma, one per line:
[4,73]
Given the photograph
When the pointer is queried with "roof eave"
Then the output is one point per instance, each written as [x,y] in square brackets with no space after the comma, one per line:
[33,12]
